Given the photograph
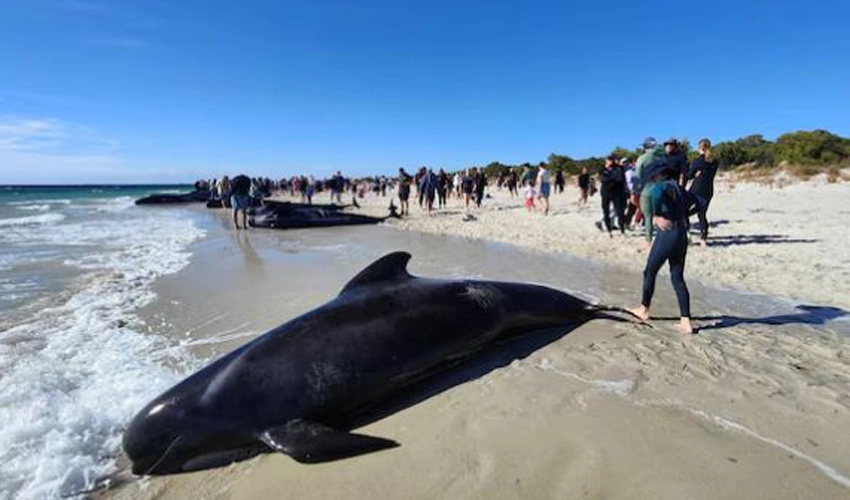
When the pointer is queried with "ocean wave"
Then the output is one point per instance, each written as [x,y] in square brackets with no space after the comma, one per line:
[73,376]
[115,204]
[32,220]
[34,208]
[57,201]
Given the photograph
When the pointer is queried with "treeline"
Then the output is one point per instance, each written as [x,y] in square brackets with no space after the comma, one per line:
[817,148]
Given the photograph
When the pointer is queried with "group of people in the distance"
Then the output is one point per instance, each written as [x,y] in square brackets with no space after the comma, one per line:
[657,192]
[625,185]
[431,186]
[662,189]
[239,193]
[536,185]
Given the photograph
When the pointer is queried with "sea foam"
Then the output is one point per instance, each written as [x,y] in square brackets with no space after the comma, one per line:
[32,220]
[72,377]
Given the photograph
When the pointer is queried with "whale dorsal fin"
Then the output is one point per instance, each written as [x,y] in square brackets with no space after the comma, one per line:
[390,267]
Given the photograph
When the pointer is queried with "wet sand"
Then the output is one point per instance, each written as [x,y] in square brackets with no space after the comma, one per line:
[752,407]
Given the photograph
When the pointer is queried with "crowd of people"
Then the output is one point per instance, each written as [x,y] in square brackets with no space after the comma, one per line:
[653,194]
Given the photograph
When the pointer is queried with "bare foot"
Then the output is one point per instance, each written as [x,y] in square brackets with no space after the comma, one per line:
[703,243]
[641,312]
[685,326]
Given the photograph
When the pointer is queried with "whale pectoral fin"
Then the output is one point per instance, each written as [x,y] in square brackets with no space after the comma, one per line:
[310,442]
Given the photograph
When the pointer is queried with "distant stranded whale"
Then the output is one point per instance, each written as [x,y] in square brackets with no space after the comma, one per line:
[196,196]
[286,215]
[295,389]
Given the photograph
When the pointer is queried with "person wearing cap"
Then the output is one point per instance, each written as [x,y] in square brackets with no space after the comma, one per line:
[670,217]
[652,153]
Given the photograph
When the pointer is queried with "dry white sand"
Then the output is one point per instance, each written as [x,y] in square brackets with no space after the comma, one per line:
[747,409]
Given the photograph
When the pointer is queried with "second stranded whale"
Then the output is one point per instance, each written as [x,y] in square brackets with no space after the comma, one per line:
[296,388]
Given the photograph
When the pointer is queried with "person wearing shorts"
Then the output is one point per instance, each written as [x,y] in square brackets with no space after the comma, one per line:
[544,181]
[240,199]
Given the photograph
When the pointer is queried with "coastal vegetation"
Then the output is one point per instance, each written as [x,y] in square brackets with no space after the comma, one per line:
[802,154]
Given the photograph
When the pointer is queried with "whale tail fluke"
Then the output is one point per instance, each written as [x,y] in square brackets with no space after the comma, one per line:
[600,311]
[312,442]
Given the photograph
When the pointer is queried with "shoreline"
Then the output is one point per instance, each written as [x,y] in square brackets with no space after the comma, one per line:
[609,410]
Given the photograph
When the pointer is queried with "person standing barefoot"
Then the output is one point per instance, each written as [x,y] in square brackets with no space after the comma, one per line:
[670,210]
[702,171]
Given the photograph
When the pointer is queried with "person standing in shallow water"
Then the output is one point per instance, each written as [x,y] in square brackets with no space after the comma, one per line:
[670,217]
[702,171]
[240,200]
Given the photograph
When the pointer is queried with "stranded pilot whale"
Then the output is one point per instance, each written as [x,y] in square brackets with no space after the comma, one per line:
[296,388]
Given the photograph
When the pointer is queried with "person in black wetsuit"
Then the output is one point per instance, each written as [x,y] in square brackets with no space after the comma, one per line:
[676,159]
[670,217]
[702,171]
[613,190]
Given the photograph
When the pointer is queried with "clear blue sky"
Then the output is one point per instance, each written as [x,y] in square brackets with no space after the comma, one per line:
[143,90]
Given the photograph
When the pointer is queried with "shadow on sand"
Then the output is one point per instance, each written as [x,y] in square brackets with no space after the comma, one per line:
[754,239]
[808,315]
